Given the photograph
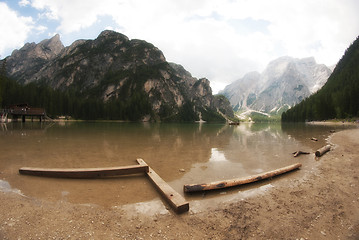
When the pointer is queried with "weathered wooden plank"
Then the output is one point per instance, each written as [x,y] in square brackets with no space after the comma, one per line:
[322,150]
[238,181]
[84,172]
[176,201]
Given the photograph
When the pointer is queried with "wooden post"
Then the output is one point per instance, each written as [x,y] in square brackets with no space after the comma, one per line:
[238,181]
[176,201]
[322,150]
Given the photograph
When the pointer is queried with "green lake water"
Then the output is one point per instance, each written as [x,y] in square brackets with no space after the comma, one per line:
[179,153]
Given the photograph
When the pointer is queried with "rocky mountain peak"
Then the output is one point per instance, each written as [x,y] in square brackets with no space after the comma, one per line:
[52,45]
[284,82]
[107,34]
[46,49]
[32,57]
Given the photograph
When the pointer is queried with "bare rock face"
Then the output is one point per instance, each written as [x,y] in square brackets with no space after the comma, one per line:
[24,63]
[114,68]
[285,82]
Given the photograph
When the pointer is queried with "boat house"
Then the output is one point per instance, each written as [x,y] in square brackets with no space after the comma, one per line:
[23,110]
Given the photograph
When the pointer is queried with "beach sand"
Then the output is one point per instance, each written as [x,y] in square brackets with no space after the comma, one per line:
[323,205]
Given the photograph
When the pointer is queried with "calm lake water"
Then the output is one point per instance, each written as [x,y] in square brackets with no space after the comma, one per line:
[206,152]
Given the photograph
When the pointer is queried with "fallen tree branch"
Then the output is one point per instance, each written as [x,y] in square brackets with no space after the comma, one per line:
[297,153]
[238,181]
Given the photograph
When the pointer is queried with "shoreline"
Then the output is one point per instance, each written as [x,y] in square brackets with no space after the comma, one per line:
[334,122]
[323,205]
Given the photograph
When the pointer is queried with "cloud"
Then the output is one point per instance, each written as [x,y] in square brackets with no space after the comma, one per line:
[14,29]
[24,3]
[74,15]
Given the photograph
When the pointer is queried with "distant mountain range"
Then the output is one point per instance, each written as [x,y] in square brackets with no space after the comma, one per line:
[127,75]
[338,98]
[285,82]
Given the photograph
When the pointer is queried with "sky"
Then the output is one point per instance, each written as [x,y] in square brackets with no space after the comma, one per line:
[220,40]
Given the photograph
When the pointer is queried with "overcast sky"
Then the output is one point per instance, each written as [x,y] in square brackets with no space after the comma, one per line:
[217,39]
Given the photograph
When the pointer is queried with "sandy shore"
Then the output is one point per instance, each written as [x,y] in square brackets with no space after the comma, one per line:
[324,205]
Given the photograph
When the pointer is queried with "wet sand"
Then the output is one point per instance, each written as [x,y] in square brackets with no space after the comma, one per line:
[322,205]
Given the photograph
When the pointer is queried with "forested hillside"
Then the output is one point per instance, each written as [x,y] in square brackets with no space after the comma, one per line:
[338,98]
[59,103]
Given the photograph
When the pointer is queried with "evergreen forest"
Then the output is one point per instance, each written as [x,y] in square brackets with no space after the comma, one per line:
[70,102]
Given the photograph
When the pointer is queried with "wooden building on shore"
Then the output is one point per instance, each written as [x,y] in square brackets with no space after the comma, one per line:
[22,111]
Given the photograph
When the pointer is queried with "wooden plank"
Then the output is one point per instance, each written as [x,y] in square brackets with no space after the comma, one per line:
[84,172]
[176,201]
[238,181]
[320,152]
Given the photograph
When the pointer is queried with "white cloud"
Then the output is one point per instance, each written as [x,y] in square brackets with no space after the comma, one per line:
[14,29]
[41,29]
[74,15]
[24,3]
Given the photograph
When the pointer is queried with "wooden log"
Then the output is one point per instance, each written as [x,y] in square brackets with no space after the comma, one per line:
[84,172]
[322,150]
[297,153]
[176,201]
[238,181]
[314,139]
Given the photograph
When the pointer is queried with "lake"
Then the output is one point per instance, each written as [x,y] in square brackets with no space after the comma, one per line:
[179,153]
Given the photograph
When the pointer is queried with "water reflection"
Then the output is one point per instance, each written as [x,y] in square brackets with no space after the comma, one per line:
[179,153]
[217,156]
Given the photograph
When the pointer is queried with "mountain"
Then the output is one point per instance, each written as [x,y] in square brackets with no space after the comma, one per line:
[26,62]
[338,98]
[129,75]
[285,82]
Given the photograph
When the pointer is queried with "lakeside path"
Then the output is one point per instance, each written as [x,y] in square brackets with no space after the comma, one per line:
[323,205]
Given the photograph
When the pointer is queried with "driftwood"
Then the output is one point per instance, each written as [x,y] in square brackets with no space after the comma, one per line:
[297,153]
[238,181]
[314,139]
[84,172]
[322,150]
[177,202]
